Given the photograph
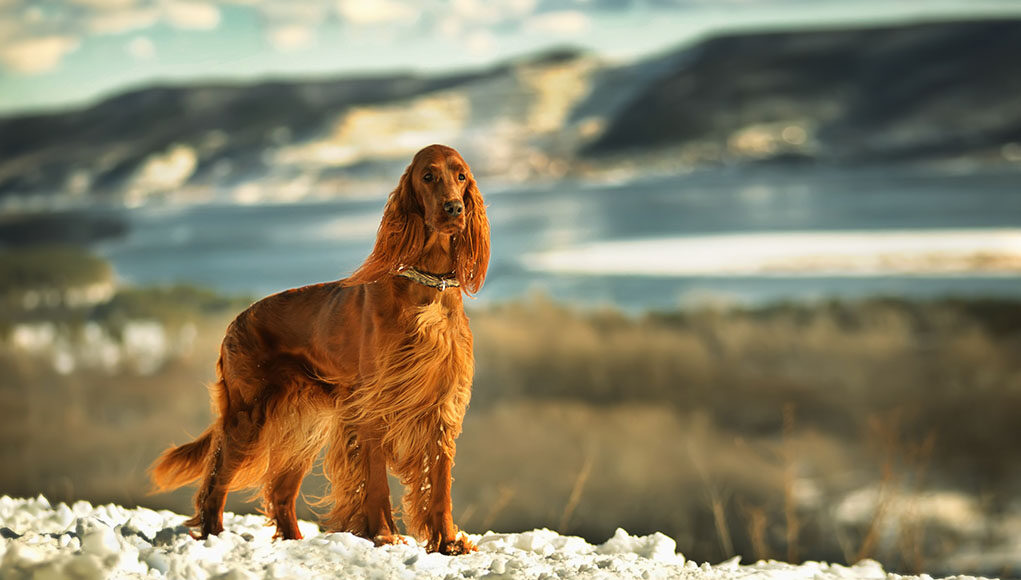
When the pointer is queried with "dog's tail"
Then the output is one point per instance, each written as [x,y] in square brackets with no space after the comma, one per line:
[182,465]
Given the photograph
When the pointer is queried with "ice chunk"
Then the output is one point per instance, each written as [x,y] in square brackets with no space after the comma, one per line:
[97,537]
[658,547]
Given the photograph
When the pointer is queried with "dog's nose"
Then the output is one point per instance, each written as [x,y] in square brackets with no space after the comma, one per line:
[453,208]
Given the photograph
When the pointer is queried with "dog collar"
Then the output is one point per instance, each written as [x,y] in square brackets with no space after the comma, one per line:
[440,282]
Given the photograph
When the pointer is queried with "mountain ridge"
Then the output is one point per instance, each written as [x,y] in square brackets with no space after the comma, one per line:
[858,103]
[920,92]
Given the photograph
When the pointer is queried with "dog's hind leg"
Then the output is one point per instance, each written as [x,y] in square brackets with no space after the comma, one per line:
[293,436]
[234,448]
[280,495]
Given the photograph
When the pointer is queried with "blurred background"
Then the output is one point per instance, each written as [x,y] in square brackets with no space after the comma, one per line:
[756,263]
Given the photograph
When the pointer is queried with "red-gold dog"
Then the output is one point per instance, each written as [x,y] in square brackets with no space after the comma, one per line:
[378,367]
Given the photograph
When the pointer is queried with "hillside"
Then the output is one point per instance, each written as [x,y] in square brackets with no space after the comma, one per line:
[176,135]
[884,94]
[909,93]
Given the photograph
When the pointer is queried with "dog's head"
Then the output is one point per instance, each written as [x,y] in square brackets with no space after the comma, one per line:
[442,184]
[436,195]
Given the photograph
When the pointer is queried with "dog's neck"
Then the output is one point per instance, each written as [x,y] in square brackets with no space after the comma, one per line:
[436,262]
[437,255]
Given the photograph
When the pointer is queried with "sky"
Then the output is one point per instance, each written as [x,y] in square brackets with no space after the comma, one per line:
[67,53]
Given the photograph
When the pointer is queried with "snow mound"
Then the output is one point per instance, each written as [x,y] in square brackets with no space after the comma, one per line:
[82,541]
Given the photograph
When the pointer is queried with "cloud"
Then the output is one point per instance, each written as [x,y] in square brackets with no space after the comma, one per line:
[42,33]
[117,22]
[36,55]
[472,13]
[469,11]
[306,11]
[560,23]
[141,48]
[105,4]
[8,29]
[368,12]
[291,37]
[477,24]
[192,15]
[480,43]
[291,26]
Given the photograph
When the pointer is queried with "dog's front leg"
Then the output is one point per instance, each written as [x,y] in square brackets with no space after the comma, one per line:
[441,533]
[426,474]
[356,468]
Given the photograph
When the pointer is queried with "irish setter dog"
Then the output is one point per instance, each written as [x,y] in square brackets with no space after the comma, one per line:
[376,367]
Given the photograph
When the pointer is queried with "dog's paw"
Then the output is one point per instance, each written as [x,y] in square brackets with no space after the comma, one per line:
[389,539]
[206,527]
[458,546]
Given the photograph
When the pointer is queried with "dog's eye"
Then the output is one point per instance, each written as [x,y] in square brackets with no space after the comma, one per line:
[427,177]
[460,177]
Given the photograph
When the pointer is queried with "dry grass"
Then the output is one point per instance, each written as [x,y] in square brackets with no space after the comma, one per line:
[579,486]
[838,362]
[670,422]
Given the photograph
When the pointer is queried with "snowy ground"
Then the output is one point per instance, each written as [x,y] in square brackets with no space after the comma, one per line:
[41,542]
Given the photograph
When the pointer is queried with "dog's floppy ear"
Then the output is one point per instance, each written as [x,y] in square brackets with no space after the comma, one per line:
[472,258]
[400,238]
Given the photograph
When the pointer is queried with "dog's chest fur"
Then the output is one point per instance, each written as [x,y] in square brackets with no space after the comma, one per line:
[427,371]
[437,349]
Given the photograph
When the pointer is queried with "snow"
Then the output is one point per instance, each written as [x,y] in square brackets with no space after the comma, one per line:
[992,252]
[82,541]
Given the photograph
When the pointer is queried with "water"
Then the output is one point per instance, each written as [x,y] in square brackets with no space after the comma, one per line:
[263,249]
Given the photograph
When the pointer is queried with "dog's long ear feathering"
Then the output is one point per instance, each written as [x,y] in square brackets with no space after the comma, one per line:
[472,258]
[400,238]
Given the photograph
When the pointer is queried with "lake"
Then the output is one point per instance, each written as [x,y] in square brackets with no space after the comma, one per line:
[747,235]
